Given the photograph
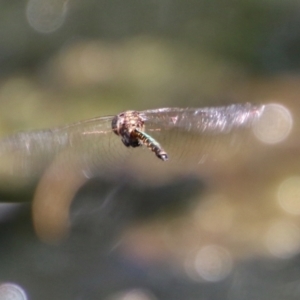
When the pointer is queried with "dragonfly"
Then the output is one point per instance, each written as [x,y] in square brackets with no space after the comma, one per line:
[103,143]
[57,162]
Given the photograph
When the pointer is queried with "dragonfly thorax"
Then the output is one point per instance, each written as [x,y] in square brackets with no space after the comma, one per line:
[126,124]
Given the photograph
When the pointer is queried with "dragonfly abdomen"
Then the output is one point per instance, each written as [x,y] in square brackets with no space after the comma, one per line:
[152,144]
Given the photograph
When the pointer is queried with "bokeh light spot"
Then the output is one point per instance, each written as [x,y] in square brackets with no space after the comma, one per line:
[11,291]
[274,125]
[46,16]
[283,239]
[288,195]
[211,263]
[133,294]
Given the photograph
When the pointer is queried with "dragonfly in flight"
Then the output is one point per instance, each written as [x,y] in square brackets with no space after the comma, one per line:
[102,142]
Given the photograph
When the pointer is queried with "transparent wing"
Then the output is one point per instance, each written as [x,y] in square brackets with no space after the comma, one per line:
[25,156]
[204,121]
[195,136]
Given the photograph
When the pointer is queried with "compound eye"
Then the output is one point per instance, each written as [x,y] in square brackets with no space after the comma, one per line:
[114,125]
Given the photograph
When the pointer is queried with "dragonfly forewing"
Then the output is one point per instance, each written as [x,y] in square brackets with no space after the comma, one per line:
[207,121]
[25,156]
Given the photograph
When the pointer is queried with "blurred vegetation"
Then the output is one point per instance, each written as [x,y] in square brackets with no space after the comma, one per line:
[76,59]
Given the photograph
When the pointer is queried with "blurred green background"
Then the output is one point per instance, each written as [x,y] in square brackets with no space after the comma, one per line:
[221,237]
[63,61]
